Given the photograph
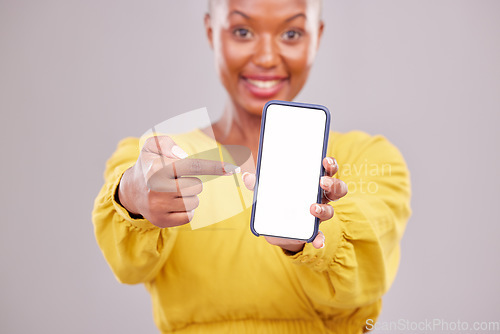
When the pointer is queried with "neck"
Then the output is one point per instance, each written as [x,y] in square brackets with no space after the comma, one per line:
[237,127]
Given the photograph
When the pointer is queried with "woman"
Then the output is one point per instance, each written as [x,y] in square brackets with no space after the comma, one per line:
[224,279]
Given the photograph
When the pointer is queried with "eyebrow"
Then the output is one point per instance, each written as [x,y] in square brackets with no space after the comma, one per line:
[249,18]
[295,16]
[238,12]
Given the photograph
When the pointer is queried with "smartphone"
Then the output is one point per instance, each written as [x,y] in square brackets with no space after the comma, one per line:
[293,143]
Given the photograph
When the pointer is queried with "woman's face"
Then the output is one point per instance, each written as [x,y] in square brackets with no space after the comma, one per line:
[264,49]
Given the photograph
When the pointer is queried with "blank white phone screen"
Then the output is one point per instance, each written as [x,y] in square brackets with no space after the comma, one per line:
[290,171]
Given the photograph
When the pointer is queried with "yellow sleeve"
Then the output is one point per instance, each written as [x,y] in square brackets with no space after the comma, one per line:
[361,255]
[135,249]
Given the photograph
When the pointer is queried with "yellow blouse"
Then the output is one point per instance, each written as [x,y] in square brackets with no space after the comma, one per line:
[221,278]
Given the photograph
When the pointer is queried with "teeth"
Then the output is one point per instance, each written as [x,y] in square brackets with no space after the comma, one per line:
[264,84]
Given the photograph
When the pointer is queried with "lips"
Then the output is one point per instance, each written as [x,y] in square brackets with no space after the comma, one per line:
[264,86]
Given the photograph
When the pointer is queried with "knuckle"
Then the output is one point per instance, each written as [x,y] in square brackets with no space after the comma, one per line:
[166,165]
[149,143]
[329,211]
[156,166]
[155,202]
[154,211]
[337,186]
[195,166]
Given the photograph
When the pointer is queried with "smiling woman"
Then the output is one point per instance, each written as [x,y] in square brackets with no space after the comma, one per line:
[263,49]
[224,279]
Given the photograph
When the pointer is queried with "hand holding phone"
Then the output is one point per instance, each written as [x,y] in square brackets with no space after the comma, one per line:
[292,148]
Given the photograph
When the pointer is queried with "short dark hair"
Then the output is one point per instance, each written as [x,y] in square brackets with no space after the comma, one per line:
[320,2]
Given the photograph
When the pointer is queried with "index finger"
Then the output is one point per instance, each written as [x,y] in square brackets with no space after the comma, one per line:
[202,167]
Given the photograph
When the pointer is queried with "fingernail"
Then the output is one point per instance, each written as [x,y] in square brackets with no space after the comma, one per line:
[179,152]
[244,175]
[318,209]
[329,160]
[190,215]
[230,169]
[323,245]
[326,181]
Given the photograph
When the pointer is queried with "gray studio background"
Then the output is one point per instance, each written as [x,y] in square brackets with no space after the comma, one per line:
[77,76]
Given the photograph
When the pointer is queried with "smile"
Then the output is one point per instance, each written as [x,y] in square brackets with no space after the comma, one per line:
[264,87]
[264,83]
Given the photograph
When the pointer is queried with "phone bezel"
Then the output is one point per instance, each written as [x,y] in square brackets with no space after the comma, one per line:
[322,171]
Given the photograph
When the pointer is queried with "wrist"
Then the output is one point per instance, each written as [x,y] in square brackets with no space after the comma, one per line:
[122,195]
[292,249]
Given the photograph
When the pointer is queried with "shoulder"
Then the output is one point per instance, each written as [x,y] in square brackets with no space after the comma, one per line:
[366,160]
[355,139]
[125,154]
[126,147]
[128,143]
[359,145]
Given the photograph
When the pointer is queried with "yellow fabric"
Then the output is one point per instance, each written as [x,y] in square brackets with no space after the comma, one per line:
[221,278]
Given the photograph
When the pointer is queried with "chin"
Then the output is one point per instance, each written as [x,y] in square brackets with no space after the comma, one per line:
[255,106]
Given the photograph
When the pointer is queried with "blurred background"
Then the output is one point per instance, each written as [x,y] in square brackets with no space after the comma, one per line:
[77,76]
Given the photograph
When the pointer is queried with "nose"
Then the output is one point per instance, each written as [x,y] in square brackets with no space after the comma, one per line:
[267,53]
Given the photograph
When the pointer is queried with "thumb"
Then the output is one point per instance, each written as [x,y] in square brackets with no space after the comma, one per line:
[248,180]
[164,146]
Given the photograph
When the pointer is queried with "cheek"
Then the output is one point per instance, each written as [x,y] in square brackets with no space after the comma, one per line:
[298,59]
[232,57]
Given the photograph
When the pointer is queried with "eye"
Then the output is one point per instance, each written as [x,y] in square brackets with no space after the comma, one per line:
[291,35]
[242,33]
